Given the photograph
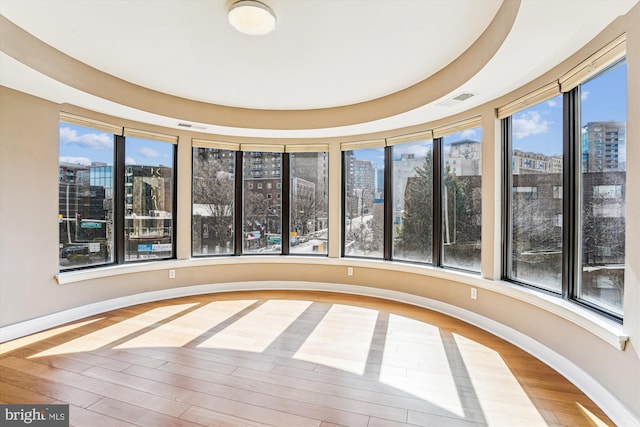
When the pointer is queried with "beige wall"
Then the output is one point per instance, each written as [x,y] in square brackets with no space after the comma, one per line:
[28,204]
[29,236]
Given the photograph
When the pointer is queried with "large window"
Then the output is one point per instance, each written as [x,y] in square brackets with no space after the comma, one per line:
[536,195]
[213,195]
[86,184]
[417,199]
[246,198]
[603,142]
[412,181]
[309,202]
[262,202]
[116,194]
[148,225]
[364,202]
[461,199]
[567,184]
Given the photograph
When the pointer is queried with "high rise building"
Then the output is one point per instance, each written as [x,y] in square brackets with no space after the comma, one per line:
[604,146]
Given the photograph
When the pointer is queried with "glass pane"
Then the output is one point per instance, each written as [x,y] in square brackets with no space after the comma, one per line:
[148,217]
[364,202]
[536,195]
[413,201]
[461,199]
[213,201]
[262,214]
[604,117]
[309,203]
[85,208]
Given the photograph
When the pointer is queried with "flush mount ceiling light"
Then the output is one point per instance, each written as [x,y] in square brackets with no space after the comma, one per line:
[252,17]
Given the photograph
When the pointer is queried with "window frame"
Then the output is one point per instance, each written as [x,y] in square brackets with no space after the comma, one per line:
[437,138]
[205,144]
[283,192]
[570,195]
[120,189]
[387,233]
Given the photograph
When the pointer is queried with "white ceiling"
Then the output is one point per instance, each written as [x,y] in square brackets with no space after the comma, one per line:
[323,53]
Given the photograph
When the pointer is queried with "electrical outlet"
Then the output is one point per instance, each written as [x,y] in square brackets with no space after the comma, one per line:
[474,293]
[172,274]
[349,271]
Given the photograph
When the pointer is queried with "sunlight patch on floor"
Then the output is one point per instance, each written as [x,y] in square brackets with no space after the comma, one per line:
[6,347]
[593,418]
[342,339]
[501,397]
[256,330]
[106,336]
[191,325]
[414,361]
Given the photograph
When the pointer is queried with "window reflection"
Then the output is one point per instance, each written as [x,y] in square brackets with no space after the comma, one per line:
[262,212]
[364,202]
[148,210]
[309,203]
[85,188]
[603,184]
[413,201]
[213,201]
[536,195]
[461,199]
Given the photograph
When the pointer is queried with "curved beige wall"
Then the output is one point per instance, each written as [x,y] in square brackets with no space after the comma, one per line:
[29,236]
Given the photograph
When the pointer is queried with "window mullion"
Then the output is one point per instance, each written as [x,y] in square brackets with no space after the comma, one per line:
[388,204]
[174,204]
[437,202]
[507,185]
[239,194]
[343,201]
[285,204]
[119,195]
[571,190]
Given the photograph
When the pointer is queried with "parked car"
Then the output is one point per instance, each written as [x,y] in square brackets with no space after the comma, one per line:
[74,250]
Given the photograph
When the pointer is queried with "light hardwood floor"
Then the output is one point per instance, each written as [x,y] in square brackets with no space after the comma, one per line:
[286,359]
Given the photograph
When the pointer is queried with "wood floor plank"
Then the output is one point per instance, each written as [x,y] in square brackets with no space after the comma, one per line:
[137,415]
[81,417]
[212,418]
[286,358]
[154,403]
[377,395]
[257,394]
[129,357]
[13,394]
[50,389]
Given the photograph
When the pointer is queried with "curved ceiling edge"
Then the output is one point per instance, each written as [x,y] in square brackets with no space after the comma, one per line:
[34,53]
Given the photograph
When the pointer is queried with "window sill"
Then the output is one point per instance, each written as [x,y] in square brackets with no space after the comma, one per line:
[606,329]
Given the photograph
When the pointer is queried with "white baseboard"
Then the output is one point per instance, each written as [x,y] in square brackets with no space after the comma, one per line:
[618,413]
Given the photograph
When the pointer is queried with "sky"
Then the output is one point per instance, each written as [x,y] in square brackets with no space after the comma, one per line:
[85,145]
[537,129]
[419,148]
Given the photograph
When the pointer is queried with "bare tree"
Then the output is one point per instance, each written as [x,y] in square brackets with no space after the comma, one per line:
[213,192]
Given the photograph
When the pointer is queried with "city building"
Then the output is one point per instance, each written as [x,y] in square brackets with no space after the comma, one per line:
[403,167]
[464,158]
[525,162]
[603,146]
